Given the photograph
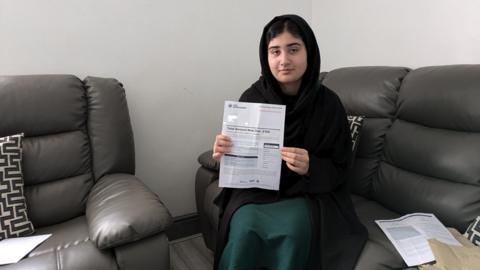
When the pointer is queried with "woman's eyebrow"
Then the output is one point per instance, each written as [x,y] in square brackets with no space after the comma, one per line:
[293,44]
[288,45]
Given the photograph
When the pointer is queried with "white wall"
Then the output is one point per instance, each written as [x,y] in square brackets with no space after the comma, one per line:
[410,33]
[178,60]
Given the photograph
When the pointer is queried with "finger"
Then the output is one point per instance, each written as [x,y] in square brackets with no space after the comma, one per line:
[296,169]
[221,149]
[294,150]
[223,138]
[300,167]
[221,145]
[293,168]
[218,152]
[295,156]
[294,162]
[289,149]
[223,142]
[289,160]
[217,156]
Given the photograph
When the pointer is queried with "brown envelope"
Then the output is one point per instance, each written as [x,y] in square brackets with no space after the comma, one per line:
[466,257]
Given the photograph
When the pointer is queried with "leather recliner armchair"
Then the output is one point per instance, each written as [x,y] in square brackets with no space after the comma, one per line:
[78,171]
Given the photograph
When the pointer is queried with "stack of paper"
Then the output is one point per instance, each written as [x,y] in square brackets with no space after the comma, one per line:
[410,234]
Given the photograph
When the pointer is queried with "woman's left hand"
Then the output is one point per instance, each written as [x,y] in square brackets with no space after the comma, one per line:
[297,159]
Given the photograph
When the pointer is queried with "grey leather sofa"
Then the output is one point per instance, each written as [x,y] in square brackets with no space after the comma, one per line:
[419,151]
[78,169]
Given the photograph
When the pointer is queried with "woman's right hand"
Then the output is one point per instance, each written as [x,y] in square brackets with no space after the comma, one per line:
[222,145]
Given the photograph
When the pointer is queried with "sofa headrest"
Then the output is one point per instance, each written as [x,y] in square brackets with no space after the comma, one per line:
[41,104]
[445,97]
[367,91]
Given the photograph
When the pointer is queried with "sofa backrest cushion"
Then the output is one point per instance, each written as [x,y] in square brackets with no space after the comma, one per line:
[431,157]
[51,111]
[371,92]
[109,127]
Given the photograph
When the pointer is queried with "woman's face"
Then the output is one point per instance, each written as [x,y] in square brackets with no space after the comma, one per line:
[287,58]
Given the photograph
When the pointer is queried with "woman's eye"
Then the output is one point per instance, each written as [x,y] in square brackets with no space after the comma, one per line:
[293,50]
[275,52]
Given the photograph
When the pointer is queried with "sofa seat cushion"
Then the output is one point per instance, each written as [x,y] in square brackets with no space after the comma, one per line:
[69,247]
[378,253]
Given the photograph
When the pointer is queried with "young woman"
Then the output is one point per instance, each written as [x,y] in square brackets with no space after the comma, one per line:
[310,222]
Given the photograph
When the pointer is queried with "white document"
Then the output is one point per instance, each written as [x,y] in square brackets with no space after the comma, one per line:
[13,250]
[409,235]
[256,130]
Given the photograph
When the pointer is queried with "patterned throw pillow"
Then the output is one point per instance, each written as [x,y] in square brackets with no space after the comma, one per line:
[473,232]
[355,123]
[14,220]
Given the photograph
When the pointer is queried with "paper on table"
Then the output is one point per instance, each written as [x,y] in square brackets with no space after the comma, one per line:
[256,130]
[13,250]
[409,234]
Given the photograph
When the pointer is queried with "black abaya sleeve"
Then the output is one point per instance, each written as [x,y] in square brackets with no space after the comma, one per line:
[330,161]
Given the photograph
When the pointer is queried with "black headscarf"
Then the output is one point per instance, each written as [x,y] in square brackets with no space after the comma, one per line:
[270,88]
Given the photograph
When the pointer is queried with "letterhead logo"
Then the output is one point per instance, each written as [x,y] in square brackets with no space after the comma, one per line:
[237,106]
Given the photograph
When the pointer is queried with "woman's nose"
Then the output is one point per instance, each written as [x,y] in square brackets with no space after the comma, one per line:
[284,60]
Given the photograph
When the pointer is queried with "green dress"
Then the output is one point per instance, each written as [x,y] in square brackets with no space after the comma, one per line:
[272,236]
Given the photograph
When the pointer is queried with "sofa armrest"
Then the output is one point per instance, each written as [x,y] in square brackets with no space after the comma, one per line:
[206,174]
[205,159]
[121,209]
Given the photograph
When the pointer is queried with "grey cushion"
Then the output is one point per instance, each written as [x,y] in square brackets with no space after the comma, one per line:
[368,91]
[52,112]
[113,151]
[371,92]
[379,253]
[430,158]
[57,166]
[121,209]
[41,104]
[444,97]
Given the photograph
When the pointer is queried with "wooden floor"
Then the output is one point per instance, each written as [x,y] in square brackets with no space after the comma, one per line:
[190,253]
